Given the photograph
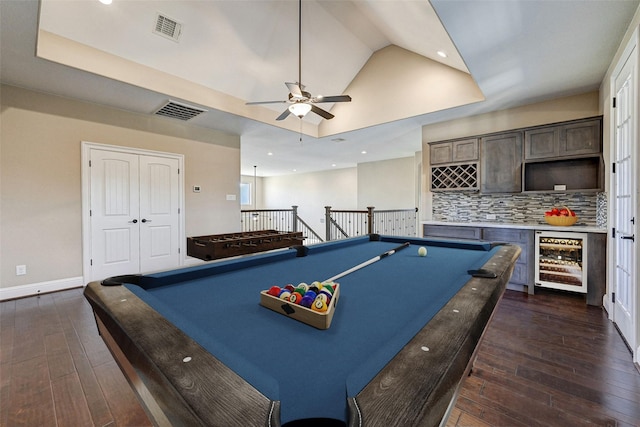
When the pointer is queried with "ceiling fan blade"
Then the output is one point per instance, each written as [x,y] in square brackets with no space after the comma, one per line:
[284,115]
[265,102]
[295,89]
[337,98]
[322,113]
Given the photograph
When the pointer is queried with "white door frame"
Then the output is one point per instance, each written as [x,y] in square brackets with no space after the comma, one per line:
[633,43]
[86,148]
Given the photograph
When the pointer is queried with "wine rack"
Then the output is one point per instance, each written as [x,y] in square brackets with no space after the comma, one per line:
[455,177]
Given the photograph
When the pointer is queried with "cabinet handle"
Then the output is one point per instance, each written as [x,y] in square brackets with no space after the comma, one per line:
[632,237]
[146,220]
[135,221]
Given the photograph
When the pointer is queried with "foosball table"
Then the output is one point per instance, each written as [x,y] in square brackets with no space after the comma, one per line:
[227,245]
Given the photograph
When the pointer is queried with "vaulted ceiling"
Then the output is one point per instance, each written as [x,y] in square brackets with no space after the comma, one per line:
[500,54]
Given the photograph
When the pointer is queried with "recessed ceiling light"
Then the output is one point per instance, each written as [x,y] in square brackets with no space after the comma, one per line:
[363,152]
[333,165]
[269,153]
[105,1]
[442,54]
[294,170]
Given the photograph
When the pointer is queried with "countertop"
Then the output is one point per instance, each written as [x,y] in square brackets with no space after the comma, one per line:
[529,226]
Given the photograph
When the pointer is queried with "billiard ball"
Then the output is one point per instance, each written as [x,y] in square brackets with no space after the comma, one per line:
[274,291]
[306,301]
[303,286]
[285,294]
[290,287]
[422,251]
[323,296]
[295,298]
[319,305]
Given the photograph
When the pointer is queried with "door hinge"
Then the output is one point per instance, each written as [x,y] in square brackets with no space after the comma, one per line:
[89,163]
[178,250]
[613,297]
[613,167]
[90,212]
[90,262]
[178,211]
[614,102]
[613,232]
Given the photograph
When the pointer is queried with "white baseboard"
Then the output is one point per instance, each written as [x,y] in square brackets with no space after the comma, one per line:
[22,291]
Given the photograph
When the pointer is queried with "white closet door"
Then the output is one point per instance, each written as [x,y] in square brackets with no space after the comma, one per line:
[115,211]
[159,213]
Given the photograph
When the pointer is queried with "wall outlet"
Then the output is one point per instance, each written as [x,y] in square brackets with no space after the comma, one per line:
[21,270]
[491,216]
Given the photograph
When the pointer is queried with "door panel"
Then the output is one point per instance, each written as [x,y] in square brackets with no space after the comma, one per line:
[114,214]
[159,207]
[624,307]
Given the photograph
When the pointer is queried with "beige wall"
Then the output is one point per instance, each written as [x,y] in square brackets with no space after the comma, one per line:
[40,177]
[387,184]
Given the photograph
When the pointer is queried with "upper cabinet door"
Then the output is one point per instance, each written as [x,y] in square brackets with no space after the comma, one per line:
[580,138]
[465,150]
[541,143]
[440,153]
[501,163]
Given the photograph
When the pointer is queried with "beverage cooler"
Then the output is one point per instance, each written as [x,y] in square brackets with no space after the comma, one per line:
[561,261]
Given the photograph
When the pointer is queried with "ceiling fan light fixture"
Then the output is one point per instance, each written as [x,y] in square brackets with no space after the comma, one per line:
[300,109]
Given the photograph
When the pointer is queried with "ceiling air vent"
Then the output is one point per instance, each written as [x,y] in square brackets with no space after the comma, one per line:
[176,110]
[167,27]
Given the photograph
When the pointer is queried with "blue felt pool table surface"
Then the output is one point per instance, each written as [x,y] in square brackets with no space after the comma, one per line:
[312,371]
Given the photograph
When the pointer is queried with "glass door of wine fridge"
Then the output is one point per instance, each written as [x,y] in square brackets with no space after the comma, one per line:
[561,261]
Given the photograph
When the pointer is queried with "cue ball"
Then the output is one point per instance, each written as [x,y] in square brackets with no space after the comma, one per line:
[422,251]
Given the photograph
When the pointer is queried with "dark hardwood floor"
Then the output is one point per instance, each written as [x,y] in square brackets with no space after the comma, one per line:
[546,360]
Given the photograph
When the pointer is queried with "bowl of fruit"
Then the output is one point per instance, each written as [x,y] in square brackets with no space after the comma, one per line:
[560,216]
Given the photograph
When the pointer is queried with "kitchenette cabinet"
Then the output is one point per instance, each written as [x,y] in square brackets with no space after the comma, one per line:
[524,277]
[564,156]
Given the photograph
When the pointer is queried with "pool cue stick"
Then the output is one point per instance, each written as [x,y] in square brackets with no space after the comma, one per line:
[366,263]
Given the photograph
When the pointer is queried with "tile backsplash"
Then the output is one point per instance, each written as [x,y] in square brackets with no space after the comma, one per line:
[591,208]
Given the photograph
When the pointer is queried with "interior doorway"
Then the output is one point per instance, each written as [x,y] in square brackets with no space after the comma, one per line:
[132,211]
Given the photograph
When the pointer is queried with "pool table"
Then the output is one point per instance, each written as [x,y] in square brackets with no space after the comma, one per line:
[199,349]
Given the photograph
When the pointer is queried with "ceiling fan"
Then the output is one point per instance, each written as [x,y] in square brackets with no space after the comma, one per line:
[302,101]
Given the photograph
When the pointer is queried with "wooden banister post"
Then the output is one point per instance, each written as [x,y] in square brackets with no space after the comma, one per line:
[327,223]
[370,219]
[294,226]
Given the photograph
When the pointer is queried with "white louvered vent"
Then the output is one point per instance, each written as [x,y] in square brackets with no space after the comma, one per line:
[177,110]
[167,27]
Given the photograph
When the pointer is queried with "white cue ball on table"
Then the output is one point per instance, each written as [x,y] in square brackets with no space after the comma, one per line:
[422,251]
